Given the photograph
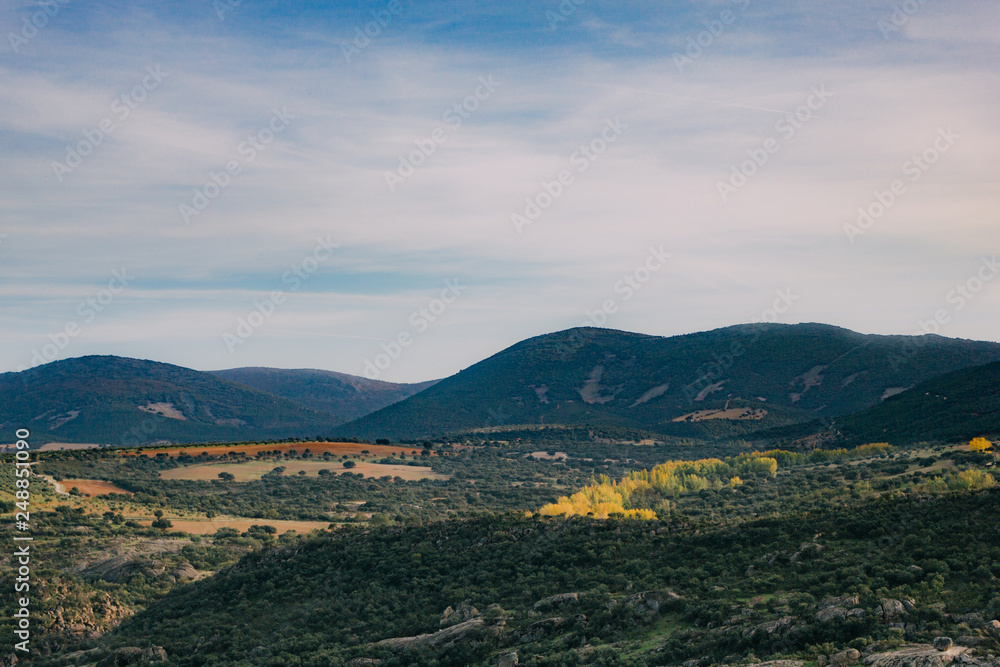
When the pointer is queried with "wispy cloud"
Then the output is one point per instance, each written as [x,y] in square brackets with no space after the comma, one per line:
[325,174]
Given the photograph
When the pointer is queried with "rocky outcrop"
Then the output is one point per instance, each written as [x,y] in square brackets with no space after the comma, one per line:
[917,655]
[508,660]
[650,601]
[889,611]
[839,608]
[770,627]
[445,637]
[464,612]
[185,572]
[364,662]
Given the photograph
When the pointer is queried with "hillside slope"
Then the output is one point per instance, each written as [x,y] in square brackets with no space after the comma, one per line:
[343,396]
[767,375]
[565,592]
[122,401]
[955,406]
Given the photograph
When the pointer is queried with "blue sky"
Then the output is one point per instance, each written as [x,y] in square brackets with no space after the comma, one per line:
[281,138]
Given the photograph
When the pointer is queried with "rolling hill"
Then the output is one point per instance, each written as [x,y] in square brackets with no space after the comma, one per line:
[730,381]
[343,396]
[955,406]
[121,401]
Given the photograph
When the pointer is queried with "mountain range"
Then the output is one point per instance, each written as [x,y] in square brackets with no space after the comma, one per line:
[732,382]
[725,382]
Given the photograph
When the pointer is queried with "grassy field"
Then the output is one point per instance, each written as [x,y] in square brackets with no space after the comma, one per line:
[254,470]
[90,487]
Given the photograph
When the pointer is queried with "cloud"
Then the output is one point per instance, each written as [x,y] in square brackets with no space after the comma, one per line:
[325,175]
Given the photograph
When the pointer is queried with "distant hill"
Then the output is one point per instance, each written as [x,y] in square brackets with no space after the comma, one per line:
[955,406]
[121,401]
[345,397]
[726,382]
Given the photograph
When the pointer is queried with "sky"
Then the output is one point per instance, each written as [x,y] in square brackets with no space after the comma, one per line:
[401,189]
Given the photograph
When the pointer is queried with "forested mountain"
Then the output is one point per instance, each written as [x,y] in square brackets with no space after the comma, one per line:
[343,396]
[122,401]
[730,381]
[959,405]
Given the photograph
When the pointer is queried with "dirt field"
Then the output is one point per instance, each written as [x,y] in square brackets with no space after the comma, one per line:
[90,487]
[731,413]
[254,470]
[208,527]
[338,448]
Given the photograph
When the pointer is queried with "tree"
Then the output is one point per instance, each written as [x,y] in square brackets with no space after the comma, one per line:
[227,476]
[349,464]
[980,445]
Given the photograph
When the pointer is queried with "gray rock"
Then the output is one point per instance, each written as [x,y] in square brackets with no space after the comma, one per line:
[153,654]
[890,610]
[849,657]
[508,660]
[943,643]
[464,612]
[364,662]
[437,639]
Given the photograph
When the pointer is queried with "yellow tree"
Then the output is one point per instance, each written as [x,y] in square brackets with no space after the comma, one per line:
[980,445]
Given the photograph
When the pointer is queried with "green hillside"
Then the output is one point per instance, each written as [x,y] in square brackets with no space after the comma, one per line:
[613,592]
[774,374]
[955,406]
[343,396]
[120,401]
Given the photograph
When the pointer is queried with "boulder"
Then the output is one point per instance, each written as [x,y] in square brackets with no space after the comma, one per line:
[185,572]
[943,643]
[508,660]
[849,657]
[364,662]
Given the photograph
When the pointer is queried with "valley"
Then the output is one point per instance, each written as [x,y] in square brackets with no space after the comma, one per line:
[729,531]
